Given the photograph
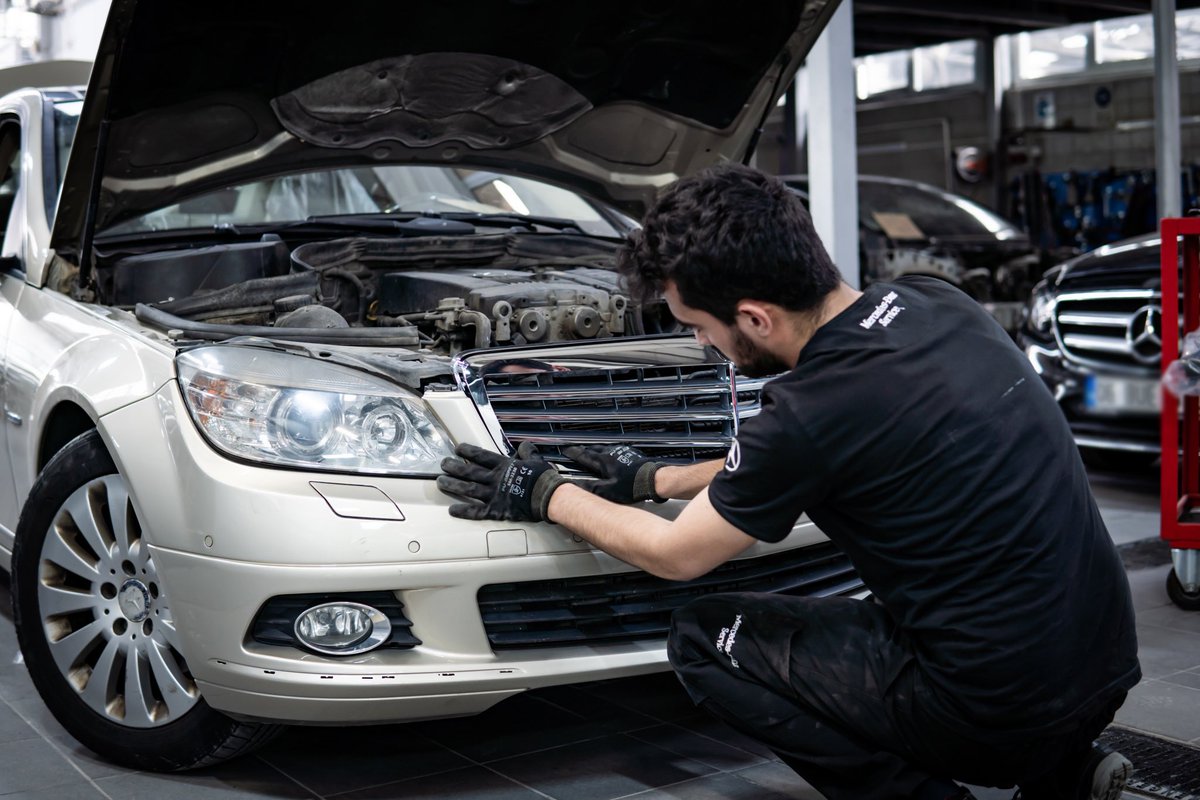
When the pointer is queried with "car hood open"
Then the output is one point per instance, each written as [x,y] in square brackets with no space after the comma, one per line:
[613,99]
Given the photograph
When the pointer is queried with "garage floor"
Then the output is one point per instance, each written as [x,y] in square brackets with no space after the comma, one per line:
[635,737]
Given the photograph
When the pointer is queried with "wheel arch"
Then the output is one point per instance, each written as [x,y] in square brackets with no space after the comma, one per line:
[64,422]
[86,381]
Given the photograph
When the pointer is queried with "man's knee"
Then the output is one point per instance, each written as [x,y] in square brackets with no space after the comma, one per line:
[688,631]
[693,645]
[695,630]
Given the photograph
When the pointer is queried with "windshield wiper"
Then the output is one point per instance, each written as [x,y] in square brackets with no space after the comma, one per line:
[428,220]
[411,223]
[508,218]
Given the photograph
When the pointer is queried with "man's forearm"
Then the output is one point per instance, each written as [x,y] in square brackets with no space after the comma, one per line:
[625,532]
[686,481]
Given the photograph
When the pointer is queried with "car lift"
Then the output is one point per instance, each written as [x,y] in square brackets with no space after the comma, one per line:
[1180,494]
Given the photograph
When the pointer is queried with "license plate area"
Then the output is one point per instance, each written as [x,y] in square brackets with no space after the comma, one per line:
[1112,395]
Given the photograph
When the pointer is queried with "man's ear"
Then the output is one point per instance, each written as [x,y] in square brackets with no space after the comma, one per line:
[755,318]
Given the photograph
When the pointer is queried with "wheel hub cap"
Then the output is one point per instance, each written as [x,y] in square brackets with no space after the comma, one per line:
[134,600]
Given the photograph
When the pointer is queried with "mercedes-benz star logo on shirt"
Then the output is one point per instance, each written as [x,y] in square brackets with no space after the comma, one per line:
[734,459]
[1144,334]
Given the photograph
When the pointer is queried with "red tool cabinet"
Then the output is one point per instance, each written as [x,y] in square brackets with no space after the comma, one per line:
[1180,478]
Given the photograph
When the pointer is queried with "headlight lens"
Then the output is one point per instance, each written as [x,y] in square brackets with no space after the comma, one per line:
[1041,308]
[295,411]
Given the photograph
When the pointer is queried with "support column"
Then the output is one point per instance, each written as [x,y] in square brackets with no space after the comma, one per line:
[1166,111]
[833,142]
[999,81]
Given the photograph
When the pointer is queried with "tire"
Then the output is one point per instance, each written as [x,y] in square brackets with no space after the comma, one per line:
[1188,601]
[95,625]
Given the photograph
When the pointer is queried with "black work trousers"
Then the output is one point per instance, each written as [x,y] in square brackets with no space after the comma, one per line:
[832,688]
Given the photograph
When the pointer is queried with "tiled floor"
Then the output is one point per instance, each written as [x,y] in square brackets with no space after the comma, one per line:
[636,737]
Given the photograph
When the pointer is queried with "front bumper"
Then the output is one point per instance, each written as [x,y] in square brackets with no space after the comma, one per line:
[1067,381]
[228,536]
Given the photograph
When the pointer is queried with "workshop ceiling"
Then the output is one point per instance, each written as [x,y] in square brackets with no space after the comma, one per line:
[882,25]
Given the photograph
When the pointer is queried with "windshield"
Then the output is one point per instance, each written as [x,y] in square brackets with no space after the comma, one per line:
[66,120]
[905,211]
[373,190]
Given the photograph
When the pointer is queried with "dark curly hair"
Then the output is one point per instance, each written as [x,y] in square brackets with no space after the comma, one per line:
[727,234]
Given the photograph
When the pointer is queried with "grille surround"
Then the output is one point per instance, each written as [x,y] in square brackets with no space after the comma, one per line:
[1092,328]
[615,609]
[667,395]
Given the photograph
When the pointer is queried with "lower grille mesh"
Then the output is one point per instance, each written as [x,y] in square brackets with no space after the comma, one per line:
[609,609]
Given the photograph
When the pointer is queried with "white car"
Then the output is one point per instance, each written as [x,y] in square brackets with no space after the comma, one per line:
[300,252]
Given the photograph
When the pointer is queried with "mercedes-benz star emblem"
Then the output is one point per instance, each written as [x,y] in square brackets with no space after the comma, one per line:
[134,600]
[1144,334]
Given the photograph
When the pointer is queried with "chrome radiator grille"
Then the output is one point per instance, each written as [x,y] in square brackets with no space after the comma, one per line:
[668,397]
[1115,328]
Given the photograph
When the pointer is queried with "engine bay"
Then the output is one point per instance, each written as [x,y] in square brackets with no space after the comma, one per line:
[438,293]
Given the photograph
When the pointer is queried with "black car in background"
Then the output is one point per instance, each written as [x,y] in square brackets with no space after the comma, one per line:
[911,228]
[1092,331]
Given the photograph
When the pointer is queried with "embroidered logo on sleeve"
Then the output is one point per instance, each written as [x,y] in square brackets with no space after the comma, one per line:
[734,459]
[883,313]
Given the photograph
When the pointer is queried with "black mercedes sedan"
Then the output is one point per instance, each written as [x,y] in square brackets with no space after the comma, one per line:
[1092,331]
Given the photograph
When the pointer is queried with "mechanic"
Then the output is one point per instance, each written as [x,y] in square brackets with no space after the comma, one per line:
[911,430]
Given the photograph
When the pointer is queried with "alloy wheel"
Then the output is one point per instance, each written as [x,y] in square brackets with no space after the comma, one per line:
[106,616]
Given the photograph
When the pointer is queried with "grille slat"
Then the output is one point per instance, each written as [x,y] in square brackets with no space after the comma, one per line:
[1076,341]
[500,393]
[644,441]
[1086,318]
[632,606]
[620,415]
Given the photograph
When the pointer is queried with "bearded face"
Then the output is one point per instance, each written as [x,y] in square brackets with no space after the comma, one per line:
[752,360]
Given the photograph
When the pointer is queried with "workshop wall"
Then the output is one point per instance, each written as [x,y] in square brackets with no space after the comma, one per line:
[1098,124]
[1082,130]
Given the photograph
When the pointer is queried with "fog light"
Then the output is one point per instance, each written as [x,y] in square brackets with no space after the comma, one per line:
[342,629]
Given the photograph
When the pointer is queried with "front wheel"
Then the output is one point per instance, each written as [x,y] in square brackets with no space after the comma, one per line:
[95,626]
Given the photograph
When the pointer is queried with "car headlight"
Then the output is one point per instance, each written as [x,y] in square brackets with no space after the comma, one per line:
[294,411]
[1039,314]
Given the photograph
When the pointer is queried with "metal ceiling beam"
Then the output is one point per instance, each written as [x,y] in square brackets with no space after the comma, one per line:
[904,26]
[864,45]
[1107,7]
[868,44]
[1015,18]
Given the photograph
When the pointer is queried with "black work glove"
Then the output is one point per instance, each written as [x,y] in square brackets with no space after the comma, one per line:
[626,474]
[516,489]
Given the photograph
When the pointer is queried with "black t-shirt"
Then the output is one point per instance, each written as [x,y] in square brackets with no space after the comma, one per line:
[920,440]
